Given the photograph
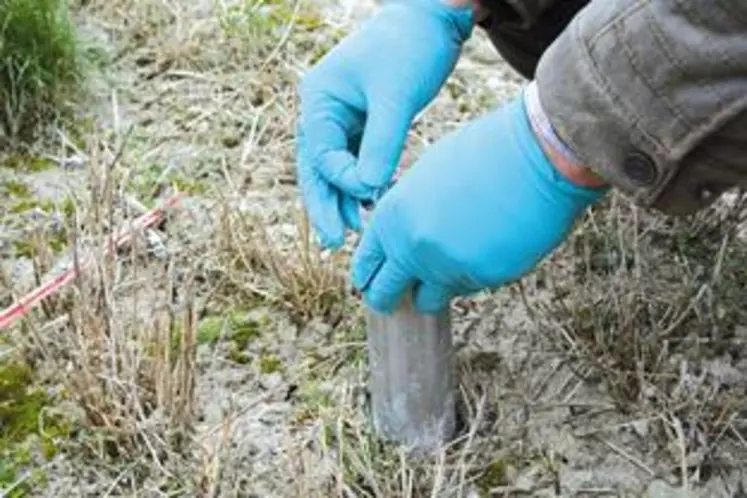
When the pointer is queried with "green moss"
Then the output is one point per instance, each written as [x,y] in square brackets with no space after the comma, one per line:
[55,242]
[16,189]
[24,414]
[28,164]
[210,330]
[259,25]
[192,187]
[19,407]
[238,356]
[148,181]
[26,205]
[234,327]
[241,335]
[79,130]
[68,208]
[312,400]
[144,183]
[244,332]
[269,363]
[231,141]
[306,19]
[493,476]
[9,476]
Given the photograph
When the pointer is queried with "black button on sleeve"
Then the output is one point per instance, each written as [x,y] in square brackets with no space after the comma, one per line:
[640,169]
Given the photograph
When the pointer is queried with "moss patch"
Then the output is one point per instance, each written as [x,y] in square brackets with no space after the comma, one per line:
[269,363]
[51,239]
[25,205]
[494,475]
[16,189]
[234,326]
[23,163]
[149,181]
[258,25]
[239,330]
[25,419]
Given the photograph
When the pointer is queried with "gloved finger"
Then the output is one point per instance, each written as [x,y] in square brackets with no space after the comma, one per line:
[320,199]
[431,298]
[334,134]
[387,287]
[340,169]
[350,209]
[368,258]
[325,127]
[383,139]
[322,205]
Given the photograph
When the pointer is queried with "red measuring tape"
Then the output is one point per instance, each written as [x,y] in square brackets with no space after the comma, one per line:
[24,305]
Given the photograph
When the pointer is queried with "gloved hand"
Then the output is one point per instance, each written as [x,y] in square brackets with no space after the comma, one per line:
[360,100]
[480,208]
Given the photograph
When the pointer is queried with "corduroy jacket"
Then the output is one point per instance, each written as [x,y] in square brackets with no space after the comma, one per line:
[649,94]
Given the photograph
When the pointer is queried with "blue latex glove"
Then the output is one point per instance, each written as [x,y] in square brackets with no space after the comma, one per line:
[481,208]
[359,101]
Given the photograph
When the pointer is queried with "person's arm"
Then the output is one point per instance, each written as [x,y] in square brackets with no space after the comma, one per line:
[653,96]
[649,94]
[528,11]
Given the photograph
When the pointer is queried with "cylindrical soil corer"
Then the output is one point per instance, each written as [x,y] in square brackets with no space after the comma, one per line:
[412,386]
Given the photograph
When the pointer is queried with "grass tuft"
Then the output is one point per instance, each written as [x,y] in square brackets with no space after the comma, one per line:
[39,64]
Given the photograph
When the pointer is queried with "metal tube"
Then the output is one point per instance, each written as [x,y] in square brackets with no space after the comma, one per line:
[412,386]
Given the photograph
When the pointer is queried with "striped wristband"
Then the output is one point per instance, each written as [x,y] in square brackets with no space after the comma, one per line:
[559,153]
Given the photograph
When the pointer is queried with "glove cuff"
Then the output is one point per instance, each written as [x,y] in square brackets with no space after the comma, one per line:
[460,18]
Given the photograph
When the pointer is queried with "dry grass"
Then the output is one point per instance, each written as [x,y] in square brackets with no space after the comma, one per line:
[301,282]
[223,355]
[650,308]
[118,345]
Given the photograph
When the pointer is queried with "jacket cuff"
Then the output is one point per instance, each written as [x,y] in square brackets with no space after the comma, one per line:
[585,116]
[635,89]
